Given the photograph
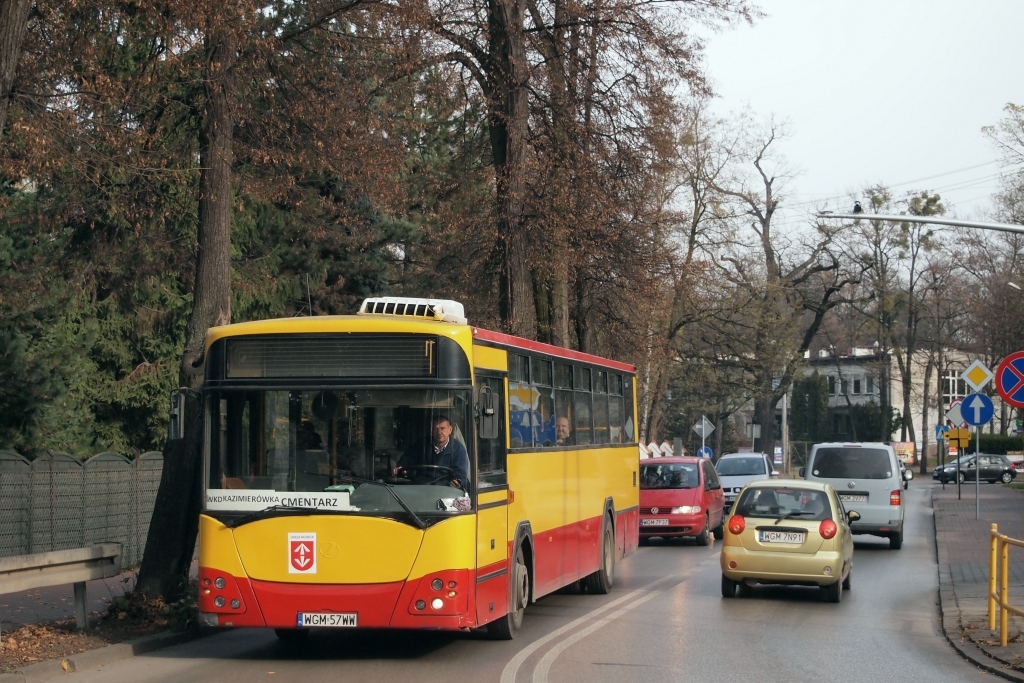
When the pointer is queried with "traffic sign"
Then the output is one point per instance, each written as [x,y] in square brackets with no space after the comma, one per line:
[940,430]
[704,452]
[1010,379]
[704,427]
[954,414]
[977,409]
[958,437]
[977,375]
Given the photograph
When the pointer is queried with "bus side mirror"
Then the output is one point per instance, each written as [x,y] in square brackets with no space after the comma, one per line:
[176,426]
[488,406]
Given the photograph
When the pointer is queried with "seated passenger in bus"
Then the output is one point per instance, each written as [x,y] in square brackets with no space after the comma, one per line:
[442,451]
[563,435]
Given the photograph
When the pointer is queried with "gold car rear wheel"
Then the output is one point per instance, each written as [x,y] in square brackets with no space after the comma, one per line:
[728,587]
[834,591]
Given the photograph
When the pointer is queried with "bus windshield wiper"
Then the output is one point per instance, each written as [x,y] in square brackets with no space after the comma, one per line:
[259,514]
[391,489]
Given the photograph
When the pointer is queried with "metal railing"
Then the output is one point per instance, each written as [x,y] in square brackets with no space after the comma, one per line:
[74,566]
[998,582]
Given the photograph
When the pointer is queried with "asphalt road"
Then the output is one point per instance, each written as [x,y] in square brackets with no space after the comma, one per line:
[665,620]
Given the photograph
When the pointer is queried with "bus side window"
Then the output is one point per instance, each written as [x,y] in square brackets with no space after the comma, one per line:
[491,452]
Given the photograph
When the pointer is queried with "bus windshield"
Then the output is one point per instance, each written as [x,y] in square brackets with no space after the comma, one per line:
[332,449]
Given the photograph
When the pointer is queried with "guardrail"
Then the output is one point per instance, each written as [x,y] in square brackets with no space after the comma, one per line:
[998,582]
[60,567]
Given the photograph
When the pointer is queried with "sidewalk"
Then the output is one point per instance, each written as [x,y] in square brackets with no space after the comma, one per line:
[962,543]
[58,602]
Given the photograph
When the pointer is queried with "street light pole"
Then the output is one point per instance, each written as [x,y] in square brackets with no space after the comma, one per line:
[936,220]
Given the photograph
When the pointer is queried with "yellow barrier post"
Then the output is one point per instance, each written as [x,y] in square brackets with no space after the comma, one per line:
[1004,590]
[993,543]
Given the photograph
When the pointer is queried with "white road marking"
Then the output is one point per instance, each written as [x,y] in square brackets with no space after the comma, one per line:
[540,674]
[508,674]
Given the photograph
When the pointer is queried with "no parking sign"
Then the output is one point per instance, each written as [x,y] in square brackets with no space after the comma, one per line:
[1010,379]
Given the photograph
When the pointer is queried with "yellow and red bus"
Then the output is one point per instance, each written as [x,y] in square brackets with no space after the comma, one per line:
[308,521]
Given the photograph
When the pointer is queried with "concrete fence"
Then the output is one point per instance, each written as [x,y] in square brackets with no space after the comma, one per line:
[57,502]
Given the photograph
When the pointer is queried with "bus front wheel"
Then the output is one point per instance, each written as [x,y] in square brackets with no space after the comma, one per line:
[506,627]
[600,582]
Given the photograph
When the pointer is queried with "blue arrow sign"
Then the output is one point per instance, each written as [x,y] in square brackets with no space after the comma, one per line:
[939,431]
[704,452]
[977,409]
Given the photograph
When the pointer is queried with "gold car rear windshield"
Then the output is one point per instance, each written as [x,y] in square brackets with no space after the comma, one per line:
[784,503]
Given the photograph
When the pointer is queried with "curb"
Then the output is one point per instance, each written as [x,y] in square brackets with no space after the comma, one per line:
[950,617]
[56,668]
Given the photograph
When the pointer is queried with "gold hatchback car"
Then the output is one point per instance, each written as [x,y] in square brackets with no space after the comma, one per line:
[790,532]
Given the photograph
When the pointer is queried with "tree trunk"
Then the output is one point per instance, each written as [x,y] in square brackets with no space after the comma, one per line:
[924,416]
[176,514]
[764,415]
[560,304]
[13,22]
[508,122]
[174,525]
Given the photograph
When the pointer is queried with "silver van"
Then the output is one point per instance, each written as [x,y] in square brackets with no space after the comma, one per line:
[867,478]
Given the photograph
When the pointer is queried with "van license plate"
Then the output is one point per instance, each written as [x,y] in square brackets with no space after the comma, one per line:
[781,537]
[328,619]
[846,498]
[653,522]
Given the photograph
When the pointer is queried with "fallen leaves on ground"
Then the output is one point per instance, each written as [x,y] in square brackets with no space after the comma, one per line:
[129,616]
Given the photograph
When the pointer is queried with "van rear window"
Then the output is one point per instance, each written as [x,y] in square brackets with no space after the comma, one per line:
[852,463]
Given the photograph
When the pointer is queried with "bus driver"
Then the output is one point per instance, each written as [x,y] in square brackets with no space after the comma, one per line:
[444,451]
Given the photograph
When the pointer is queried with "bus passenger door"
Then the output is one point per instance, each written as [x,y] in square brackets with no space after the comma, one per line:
[492,551]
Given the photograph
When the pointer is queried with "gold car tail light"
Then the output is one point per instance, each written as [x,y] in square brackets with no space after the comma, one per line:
[737,524]
[827,529]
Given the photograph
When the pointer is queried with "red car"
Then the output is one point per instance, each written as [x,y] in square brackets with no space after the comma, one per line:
[680,497]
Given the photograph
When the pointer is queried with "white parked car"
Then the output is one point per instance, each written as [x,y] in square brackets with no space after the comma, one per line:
[736,470]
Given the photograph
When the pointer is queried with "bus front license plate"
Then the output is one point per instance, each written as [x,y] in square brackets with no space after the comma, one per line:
[328,619]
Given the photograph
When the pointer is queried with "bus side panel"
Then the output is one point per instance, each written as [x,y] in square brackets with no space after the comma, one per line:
[612,472]
[492,556]
[548,484]
[492,592]
[627,531]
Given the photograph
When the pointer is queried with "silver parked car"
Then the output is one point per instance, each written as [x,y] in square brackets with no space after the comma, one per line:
[867,478]
[736,470]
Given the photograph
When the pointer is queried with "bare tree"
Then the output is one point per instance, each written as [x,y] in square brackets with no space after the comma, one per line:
[13,22]
[784,288]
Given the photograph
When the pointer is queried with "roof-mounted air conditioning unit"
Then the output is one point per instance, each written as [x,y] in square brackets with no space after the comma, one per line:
[428,309]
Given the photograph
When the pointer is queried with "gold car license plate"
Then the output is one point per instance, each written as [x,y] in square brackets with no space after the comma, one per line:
[847,498]
[653,522]
[781,537]
[328,619]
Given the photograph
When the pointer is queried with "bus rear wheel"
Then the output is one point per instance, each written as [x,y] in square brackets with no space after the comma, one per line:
[506,627]
[600,582]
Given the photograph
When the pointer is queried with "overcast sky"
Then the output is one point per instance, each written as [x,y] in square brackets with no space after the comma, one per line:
[893,92]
